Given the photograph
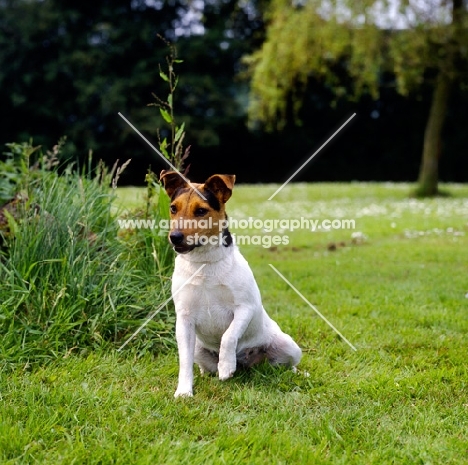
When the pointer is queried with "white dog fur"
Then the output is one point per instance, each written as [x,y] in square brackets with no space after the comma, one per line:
[220,318]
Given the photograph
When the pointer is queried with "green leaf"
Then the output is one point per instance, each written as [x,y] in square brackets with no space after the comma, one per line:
[179,132]
[12,223]
[164,76]
[178,61]
[169,100]
[162,147]
[165,115]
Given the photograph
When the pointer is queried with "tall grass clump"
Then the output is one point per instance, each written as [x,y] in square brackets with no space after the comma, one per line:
[68,280]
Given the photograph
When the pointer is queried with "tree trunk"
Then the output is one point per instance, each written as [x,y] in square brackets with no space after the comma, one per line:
[429,171]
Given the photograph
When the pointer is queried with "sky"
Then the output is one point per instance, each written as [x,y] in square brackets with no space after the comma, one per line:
[388,14]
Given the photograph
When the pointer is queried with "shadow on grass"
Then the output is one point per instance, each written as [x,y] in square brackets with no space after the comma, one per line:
[266,376]
[420,194]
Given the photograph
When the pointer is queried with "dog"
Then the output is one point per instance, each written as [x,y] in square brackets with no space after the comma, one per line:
[220,321]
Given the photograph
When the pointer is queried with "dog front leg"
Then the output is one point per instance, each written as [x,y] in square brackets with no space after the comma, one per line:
[228,348]
[185,335]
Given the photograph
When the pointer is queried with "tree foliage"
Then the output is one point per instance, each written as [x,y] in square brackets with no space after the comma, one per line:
[417,42]
[327,40]
[67,67]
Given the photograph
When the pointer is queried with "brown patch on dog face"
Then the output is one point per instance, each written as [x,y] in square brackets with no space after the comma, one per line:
[194,220]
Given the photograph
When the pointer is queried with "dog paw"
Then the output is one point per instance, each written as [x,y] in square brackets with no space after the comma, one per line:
[183,393]
[226,370]
[225,376]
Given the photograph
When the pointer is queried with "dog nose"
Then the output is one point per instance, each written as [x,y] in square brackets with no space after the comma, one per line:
[176,237]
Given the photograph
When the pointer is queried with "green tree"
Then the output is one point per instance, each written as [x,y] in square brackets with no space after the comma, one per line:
[67,67]
[421,43]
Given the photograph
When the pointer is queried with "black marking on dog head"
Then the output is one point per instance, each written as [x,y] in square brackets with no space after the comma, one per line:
[227,238]
[212,200]
[179,191]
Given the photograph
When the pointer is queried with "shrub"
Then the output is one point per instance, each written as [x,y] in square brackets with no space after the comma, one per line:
[68,281]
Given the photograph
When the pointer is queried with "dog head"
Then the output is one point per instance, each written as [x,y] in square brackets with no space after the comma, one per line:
[198,215]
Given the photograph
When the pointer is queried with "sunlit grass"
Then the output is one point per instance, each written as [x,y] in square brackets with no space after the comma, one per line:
[398,294]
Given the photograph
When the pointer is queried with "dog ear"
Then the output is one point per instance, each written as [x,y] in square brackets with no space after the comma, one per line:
[221,185]
[172,180]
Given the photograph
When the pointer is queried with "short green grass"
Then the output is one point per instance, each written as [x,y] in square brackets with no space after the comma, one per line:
[397,292]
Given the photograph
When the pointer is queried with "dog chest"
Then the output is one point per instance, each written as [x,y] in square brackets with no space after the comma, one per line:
[207,301]
[210,308]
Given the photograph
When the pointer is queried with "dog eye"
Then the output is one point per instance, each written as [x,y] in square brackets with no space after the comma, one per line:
[173,209]
[200,211]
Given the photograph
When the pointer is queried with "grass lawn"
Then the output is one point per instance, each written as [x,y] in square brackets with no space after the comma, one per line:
[397,290]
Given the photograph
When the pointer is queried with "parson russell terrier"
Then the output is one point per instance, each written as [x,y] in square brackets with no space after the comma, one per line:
[221,323]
